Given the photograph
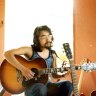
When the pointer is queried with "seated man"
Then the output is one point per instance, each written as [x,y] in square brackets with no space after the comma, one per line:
[41,48]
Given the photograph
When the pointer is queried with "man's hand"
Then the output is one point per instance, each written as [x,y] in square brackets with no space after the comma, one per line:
[27,73]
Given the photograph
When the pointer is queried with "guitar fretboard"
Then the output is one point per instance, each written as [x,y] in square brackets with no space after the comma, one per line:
[52,70]
[74,79]
[85,67]
[72,67]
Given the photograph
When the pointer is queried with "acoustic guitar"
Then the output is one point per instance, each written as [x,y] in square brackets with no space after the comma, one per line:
[89,67]
[13,81]
[72,67]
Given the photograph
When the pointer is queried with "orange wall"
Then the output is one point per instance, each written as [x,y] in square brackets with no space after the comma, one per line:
[85,29]
[85,40]
[2,2]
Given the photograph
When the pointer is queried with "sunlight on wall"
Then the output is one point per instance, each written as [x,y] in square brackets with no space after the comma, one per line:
[22,16]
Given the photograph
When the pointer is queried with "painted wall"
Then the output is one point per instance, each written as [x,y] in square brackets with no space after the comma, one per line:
[85,41]
[1,29]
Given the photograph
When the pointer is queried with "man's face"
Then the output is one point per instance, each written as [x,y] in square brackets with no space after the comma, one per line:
[45,39]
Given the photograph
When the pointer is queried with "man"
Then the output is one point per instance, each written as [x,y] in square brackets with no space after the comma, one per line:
[41,48]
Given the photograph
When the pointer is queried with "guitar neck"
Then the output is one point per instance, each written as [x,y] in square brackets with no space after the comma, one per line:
[52,70]
[74,79]
[55,70]
[72,67]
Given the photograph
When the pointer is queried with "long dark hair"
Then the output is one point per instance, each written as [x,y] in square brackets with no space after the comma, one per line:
[36,34]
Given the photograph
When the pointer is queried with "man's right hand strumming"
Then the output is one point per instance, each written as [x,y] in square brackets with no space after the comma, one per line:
[27,73]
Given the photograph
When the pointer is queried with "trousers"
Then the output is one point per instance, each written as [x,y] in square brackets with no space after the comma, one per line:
[61,88]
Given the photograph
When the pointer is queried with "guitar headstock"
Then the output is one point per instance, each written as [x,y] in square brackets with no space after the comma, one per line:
[67,49]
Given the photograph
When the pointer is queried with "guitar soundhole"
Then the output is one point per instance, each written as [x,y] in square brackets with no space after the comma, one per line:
[35,71]
[28,83]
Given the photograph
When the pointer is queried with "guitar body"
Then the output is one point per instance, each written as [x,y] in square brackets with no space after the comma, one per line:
[12,79]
